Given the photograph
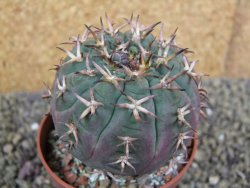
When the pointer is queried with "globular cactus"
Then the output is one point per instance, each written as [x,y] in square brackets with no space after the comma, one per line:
[126,101]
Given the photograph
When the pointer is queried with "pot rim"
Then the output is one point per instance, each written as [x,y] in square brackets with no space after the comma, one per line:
[173,182]
[53,175]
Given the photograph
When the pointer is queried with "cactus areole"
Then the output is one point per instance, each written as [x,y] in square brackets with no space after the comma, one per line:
[127,102]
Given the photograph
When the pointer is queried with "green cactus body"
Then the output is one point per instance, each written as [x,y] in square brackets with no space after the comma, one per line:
[93,101]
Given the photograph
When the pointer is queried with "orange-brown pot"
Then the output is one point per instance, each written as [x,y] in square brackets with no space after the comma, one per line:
[47,125]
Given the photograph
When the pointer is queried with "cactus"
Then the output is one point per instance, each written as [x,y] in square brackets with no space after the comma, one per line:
[127,102]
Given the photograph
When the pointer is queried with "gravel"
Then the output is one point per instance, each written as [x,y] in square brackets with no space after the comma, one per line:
[222,159]
[19,163]
[223,156]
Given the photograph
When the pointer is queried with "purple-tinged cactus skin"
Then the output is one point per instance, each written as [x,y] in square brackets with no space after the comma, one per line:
[125,100]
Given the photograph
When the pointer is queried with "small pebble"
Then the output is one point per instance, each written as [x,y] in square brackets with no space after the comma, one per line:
[16,139]
[25,144]
[213,180]
[34,126]
[7,148]
[199,156]
[221,137]
[209,111]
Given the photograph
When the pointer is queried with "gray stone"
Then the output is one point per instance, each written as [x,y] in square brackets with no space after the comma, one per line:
[34,126]
[9,173]
[25,144]
[9,137]
[199,156]
[11,169]
[8,148]
[223,183]
[2,163]
[17,137]
[5,186]
[23,183]
[213,180]
[221,137]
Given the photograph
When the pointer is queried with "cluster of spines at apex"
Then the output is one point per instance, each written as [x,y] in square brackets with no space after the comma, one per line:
[138,33]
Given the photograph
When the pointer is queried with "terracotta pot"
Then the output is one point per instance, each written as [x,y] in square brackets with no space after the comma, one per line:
[47,125]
